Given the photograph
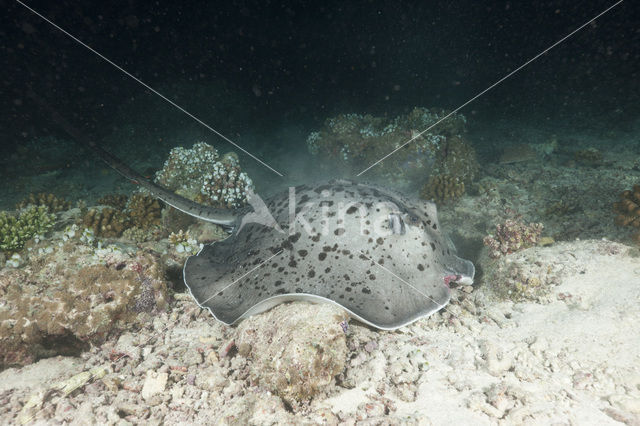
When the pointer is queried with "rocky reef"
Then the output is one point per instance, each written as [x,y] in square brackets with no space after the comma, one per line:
[72,296]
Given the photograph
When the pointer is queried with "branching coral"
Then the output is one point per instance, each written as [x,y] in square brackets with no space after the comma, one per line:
[511,236]
[106,222]
[144,211]
[16,230]
[442,189]
[50,201]
[118,201]
[628,209]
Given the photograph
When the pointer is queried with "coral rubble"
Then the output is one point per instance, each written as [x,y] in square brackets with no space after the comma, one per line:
[628,209]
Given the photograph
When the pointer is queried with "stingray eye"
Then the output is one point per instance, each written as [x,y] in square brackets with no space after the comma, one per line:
[413,220]
[396,223]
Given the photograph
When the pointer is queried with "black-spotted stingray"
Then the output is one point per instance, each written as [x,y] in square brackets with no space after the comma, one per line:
[378,255]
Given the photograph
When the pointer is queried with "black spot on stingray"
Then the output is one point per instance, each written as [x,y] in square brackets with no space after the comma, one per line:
[322,256]
[351,299]
[434,226]
[327,270]
[274,265]
[379,241]
[299,290]
[346,277]
[280,269]
[420,267]
[341,296]
[366,290]
[352,210]
[293,263]
[363,257]
[302,252]
[315,238]
[311,274]
[372,277]
[433,246]
[339,231]
[347,289]
[326,248]
[294,238]
[381,261]
[304,198]
[339,221]
[345,252]
[203,278]
[448,251]
[281,291]
[278,283]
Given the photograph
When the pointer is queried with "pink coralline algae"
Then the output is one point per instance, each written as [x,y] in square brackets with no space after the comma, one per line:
[511,236]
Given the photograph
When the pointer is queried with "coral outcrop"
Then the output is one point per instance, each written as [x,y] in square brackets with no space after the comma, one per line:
[511,236]
[69,298]
[296,349]
[16,230]
[201,175]
[628,210]
[226,186]
[358,141]
[50,201]
[443,189]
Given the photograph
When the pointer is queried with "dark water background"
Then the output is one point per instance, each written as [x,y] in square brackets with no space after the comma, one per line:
[267,73]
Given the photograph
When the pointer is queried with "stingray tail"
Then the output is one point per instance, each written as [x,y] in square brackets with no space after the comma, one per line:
[219,216]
